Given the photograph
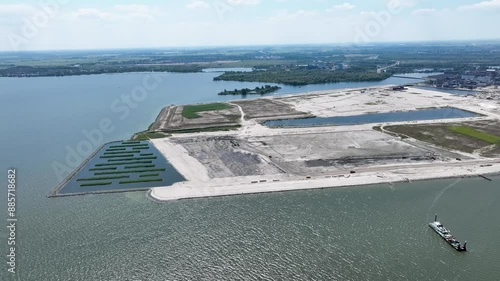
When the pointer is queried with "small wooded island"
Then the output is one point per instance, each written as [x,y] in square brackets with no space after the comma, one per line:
[267,89]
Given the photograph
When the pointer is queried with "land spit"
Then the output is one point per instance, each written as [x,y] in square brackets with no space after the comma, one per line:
[256,159]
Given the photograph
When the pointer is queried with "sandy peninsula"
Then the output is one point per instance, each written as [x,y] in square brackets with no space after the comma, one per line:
[259,159]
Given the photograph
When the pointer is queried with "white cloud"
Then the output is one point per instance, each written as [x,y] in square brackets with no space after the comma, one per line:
[406,3]
[343,7]
[285,15]
[135,9]
[110,26]
[10,9]
[140,12]
[90,13]
[198,4]
[13,14]
[481,5]
[421,12]
[118,12]
[243,2]
[366,14]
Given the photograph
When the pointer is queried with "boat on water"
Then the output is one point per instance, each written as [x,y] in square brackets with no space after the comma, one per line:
[446,235]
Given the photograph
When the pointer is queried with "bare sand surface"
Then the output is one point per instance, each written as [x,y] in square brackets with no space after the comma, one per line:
[381,100]
[325,104]
[190,168]
[235,186]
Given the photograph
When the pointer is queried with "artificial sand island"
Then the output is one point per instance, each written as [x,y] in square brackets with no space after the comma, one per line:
[258,159]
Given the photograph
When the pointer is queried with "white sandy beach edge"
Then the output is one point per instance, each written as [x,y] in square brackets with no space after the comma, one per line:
[244,185]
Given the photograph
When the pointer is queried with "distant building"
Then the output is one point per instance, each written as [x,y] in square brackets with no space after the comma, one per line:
[468,77]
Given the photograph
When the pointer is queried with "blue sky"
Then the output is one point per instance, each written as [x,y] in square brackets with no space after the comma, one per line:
[92,24]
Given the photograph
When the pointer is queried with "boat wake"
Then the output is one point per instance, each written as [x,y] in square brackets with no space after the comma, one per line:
[441,194]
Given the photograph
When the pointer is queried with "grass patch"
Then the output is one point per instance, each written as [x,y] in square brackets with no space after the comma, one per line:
[141,181]
[117,156]
[151,126]
[103,178]
[468,131]
[103,169]
[438,134]
[133,159]
[116,149]
[191,111]
[149,135]
[149,175]
[140,166]
[123,163]
[426,108]
[96,184]
[118,153]
[131,172]
[128,145]
[211,129]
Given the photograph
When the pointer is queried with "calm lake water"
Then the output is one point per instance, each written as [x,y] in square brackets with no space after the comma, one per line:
[361,233]
[242,69]
[418,115]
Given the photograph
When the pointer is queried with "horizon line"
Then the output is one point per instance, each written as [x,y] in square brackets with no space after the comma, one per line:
[488,40]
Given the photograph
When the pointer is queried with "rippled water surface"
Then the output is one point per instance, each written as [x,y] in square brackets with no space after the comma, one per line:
[360,233]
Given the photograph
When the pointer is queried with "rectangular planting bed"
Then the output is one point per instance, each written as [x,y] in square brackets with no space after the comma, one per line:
[118,167]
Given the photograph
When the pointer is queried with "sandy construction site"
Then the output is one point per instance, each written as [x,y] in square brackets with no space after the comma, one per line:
[256,158]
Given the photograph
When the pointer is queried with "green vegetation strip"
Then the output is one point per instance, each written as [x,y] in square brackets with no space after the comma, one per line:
[118,156]
[103,178]
[149,135]
[149,175]
[257,91]
[130,172]
[147,154]
[118,153]
[140,166]
[141,181]
[468,131]
[299,77]
[103,169]
[131,142]
[116,149]
[96,184]
[133,159]
[191,111]
[128,145]
[124,163]
[211,129]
